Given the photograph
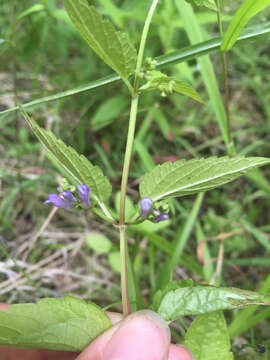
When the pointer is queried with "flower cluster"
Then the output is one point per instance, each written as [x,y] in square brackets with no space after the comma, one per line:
[147,211]
[66,200]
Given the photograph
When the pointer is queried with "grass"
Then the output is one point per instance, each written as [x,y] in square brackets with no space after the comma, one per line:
[45,56]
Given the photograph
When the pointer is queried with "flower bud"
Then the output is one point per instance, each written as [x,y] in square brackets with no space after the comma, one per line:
[67,195]
[83,192]
[162,217]
[146,206]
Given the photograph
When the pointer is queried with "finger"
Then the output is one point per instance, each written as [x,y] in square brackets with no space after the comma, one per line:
[142,335]
[115,317]
[177,352]
[3,306]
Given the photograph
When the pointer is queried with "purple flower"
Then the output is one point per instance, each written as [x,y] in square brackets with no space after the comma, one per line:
[67,195]
[59,202]
[161,217]
[83,192]
[146,206]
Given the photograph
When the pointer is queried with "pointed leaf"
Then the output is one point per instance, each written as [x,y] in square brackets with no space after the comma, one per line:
[210,4]
[208,337]
[188,298]
[190,177]
[111,45]
[77,166]
[67,324]
[184,88]
[166,85]
[246,11]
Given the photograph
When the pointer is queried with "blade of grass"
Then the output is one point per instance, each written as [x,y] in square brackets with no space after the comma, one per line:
[259,179]
[144,155]
[188,53]
[182,237]
[263,240]
[195,35]
[179,243]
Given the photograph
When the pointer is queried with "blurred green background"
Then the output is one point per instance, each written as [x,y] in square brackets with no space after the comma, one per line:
[42,54]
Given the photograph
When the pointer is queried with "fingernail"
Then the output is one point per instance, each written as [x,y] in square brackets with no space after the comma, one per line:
[177,352]
[141,335]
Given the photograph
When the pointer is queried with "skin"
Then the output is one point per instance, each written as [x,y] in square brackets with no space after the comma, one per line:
[142,335]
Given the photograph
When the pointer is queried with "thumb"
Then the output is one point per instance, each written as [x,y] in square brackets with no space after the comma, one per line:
[142,335]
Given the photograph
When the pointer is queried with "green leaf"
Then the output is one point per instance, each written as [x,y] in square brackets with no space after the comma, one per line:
[67,324]
[166,85]
[184,88]
[198,175]
[98,242]
[114,261]
[208,337]
[209,4]
[112,46]
[31,10]
[77,166]
[108,111]
[246,11]
[188,298]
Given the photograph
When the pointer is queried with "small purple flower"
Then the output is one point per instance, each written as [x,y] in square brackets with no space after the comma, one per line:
[161,217]
[83,192]
[67,195]
[146,206]
[59,202]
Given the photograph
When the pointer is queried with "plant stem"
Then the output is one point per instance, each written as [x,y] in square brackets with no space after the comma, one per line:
[128,153]
[129,146]
[142,43]
[226,84]
[124,276]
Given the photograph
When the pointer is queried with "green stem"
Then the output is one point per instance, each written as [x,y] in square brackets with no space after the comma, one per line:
[124,275]
[226,84]
[128,153]
[129,146]
[143,42]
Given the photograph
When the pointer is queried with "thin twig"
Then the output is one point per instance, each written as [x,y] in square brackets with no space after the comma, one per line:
[39,233]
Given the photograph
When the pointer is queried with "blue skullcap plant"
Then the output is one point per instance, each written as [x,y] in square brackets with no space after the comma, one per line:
[88,188]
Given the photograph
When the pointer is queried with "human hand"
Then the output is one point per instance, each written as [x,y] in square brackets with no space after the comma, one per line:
[143,335]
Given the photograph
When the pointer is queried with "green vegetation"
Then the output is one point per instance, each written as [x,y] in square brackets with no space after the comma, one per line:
[219,238]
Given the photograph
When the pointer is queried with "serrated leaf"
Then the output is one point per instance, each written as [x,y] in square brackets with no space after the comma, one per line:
[67,324]
[245,12]
[209,4]
[166,85]
[193,176]
[77,166]
[188,298]
[112,46]
[208,337]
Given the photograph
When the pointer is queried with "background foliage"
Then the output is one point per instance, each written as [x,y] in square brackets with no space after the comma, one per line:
[42,54]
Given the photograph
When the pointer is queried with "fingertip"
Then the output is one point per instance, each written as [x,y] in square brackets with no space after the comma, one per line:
[115,317]
[141,335]
[178,352]
[3,306]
